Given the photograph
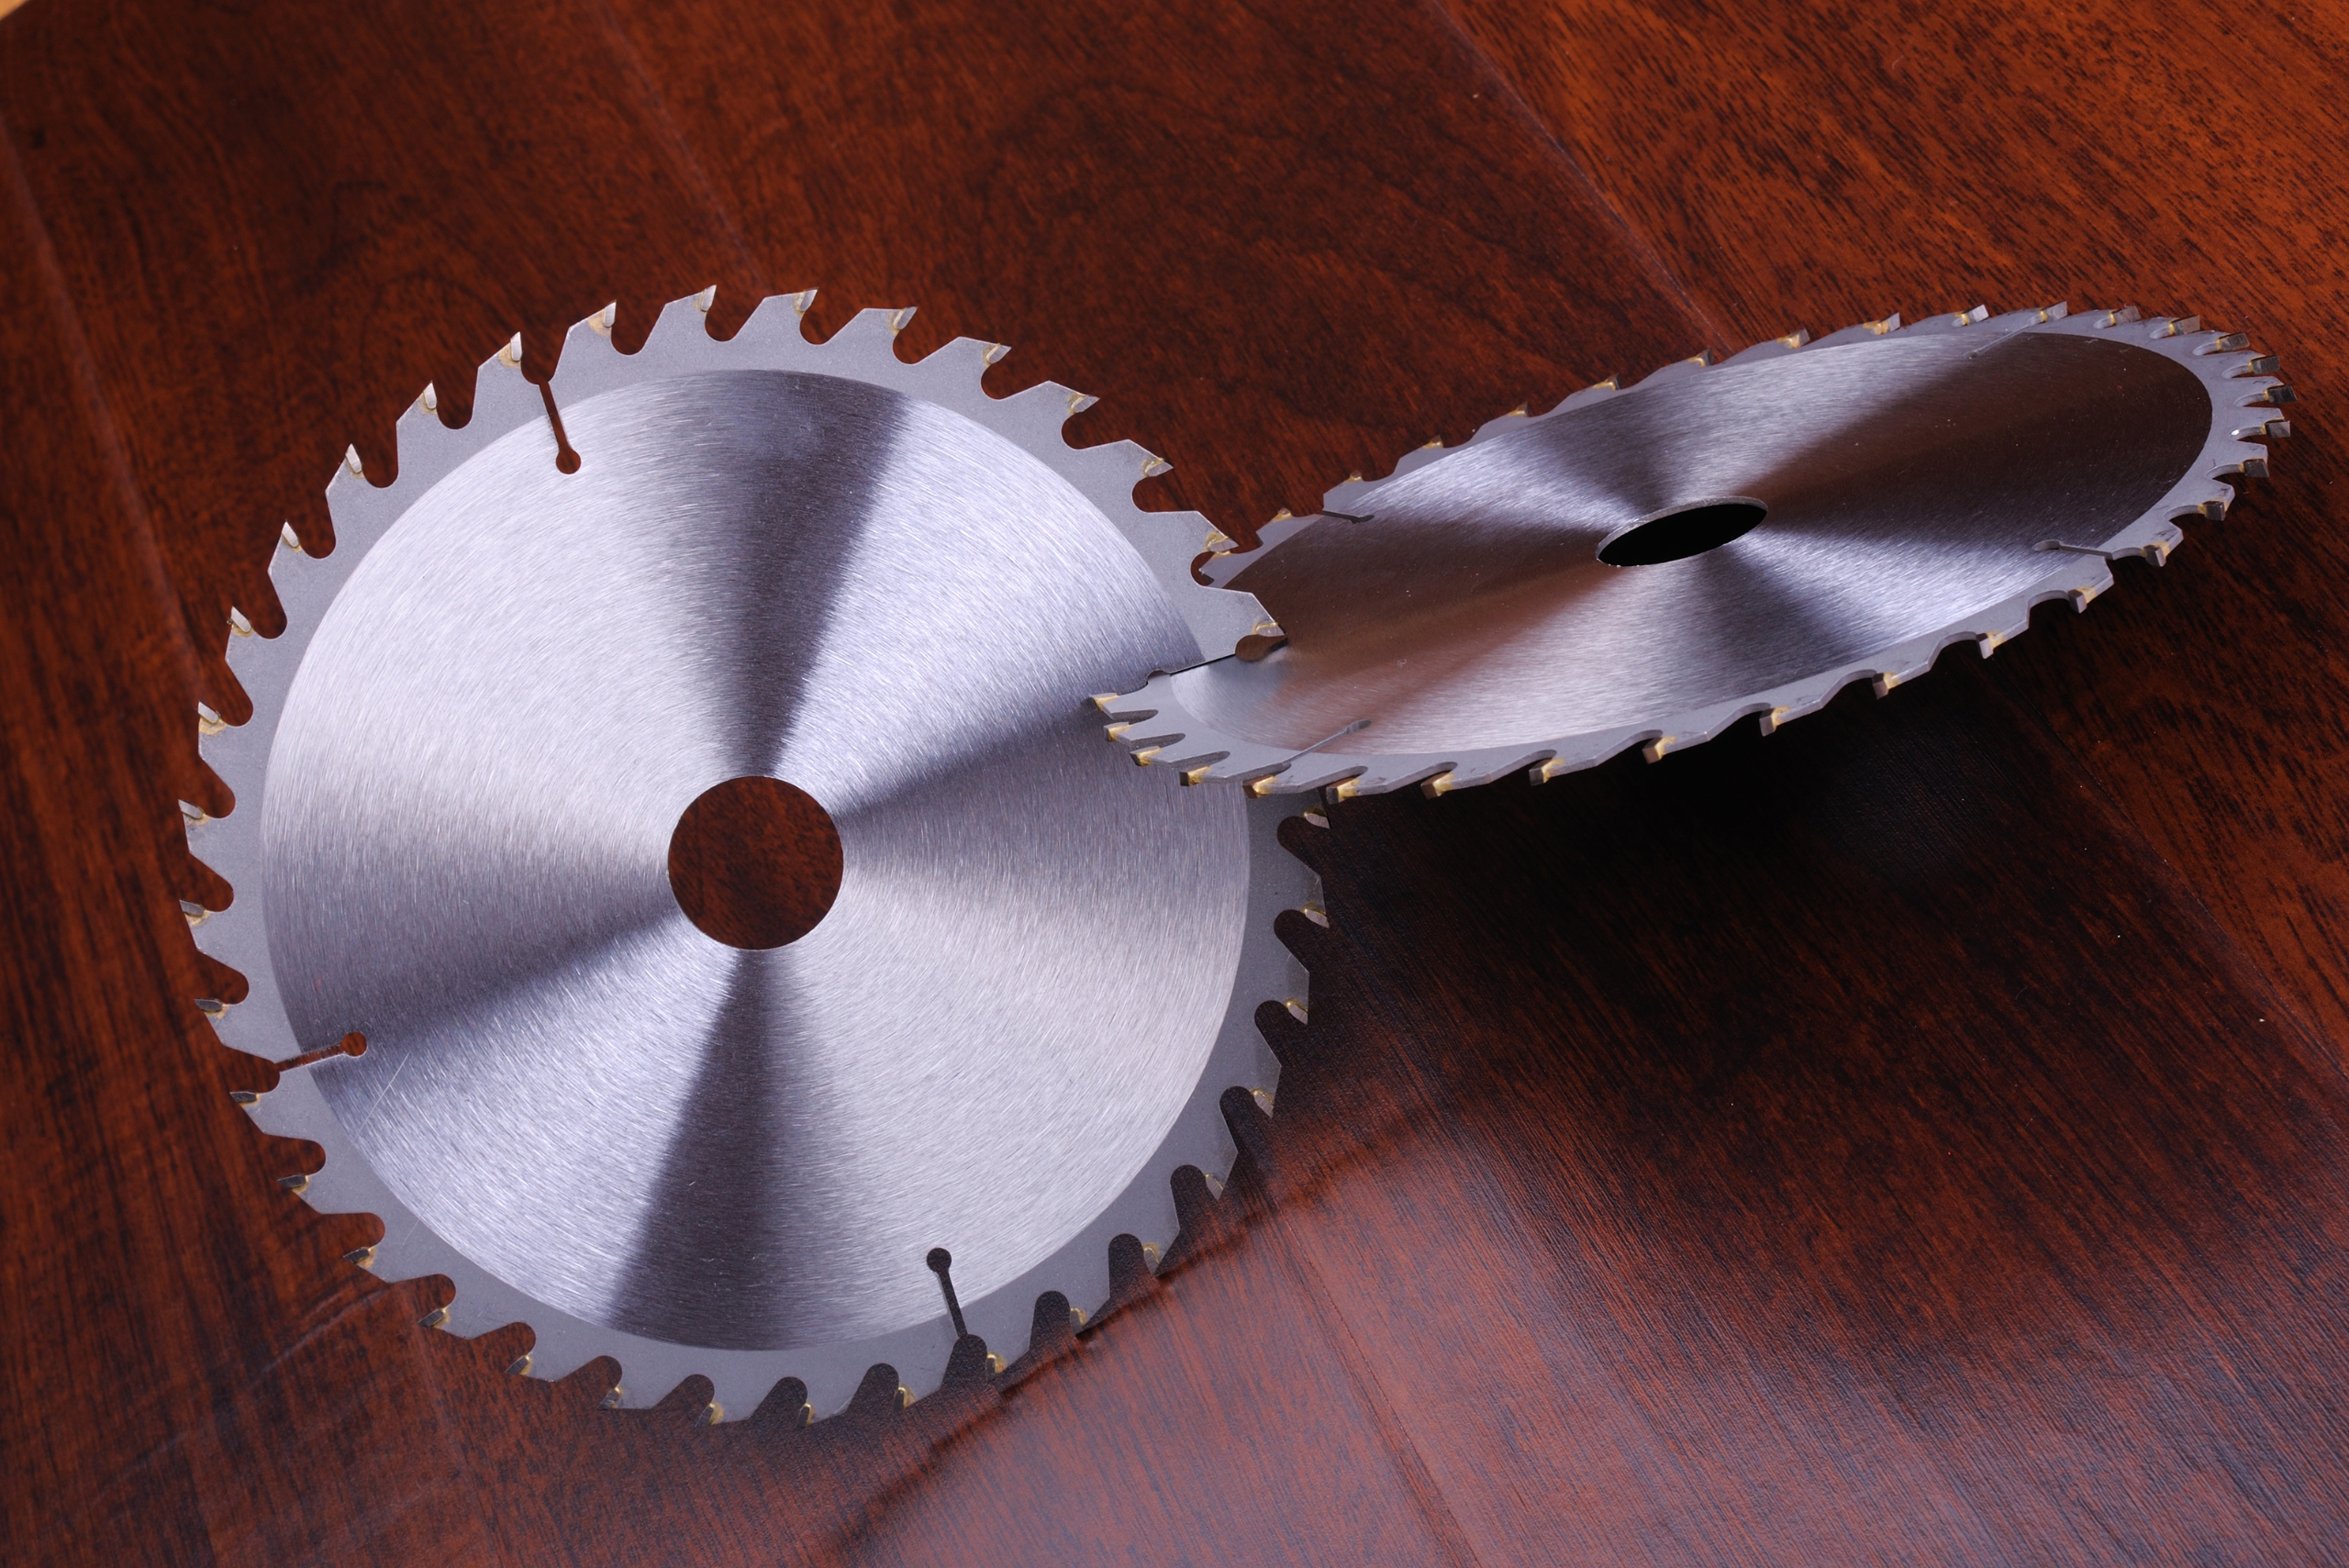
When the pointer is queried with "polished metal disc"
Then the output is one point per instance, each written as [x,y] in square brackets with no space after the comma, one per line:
[1644,567]
[999,1023]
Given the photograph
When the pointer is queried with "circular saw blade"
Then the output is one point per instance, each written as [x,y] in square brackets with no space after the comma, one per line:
[1873,497]
[500,712]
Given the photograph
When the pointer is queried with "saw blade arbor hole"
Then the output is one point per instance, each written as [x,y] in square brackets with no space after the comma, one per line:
[1682,532]
[755,862]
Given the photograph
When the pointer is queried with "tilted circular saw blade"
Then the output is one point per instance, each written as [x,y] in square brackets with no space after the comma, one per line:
[462,788]
[1915,487]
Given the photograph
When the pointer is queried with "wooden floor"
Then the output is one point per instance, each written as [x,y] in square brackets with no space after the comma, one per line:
[1916,1136]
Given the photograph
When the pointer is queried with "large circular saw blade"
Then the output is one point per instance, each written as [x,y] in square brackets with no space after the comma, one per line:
[483,825]
[1645,566]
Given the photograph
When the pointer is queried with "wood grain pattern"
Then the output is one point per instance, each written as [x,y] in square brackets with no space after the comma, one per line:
[1917,1136]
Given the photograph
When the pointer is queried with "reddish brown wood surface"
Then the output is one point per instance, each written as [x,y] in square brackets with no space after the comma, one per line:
[1920,1136]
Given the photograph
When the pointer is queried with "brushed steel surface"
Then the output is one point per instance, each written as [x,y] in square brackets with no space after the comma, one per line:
[488,745]
[1907,483]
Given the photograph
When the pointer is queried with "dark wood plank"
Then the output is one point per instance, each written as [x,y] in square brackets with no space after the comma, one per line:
[1860,159]
[1280,244]
[1823,1150]
[309,223]
[1851,1146]
[159,1306]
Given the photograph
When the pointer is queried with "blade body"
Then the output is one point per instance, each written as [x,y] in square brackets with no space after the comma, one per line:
[1457,618]
[463,783]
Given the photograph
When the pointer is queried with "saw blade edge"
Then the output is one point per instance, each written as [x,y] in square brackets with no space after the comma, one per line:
[1153,723]
[229,845]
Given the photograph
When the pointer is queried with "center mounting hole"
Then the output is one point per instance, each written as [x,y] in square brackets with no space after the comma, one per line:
[1682,532]
[755,862]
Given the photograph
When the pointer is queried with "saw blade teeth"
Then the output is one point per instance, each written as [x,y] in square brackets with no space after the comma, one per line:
[1124,463]
[1033,416]
[1503,423]
[417,436]
[683,324]
[390,1259]
[228,937]
[775,335]
[332,1190]
[587,331]
[830,1388]
[250,657]
[504,398]
[1693,364]
[1859,332]
[966,359]
[1945,321]
[1419,457]
[1771,348]
[874,327]
[469,1315]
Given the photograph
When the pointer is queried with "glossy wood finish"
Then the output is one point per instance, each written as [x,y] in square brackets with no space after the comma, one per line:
[1920,1135]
